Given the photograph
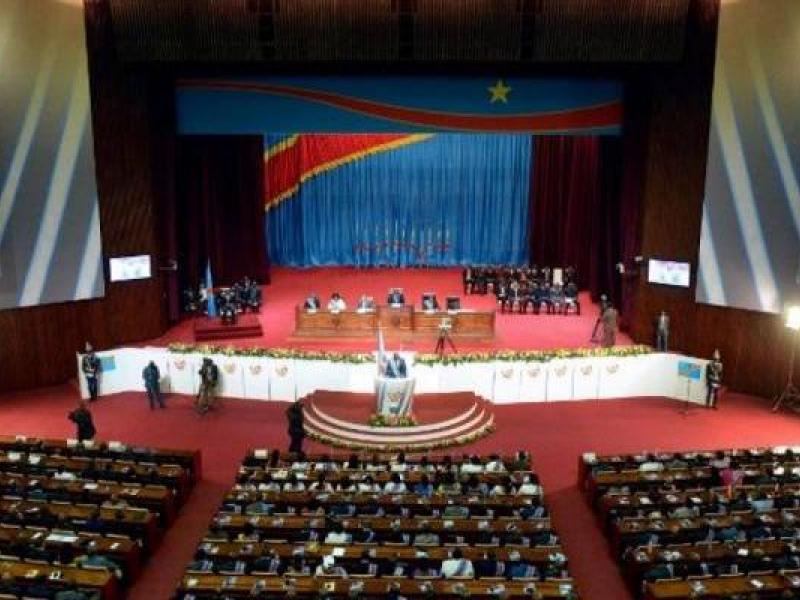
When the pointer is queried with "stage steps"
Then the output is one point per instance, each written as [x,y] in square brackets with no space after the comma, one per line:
[341,419]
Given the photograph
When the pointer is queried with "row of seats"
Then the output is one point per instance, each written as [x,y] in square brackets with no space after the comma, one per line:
[380,523]
[702,523]
[77,521]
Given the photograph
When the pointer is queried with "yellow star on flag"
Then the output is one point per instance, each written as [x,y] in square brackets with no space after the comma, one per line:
[499,92]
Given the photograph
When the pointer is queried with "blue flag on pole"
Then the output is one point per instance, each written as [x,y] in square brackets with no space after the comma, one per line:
[212,300]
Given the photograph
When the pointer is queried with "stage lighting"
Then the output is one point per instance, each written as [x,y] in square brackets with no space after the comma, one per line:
[793,317]
[790,394]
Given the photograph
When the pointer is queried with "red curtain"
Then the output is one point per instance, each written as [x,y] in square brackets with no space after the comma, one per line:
[220,208]
[578,215]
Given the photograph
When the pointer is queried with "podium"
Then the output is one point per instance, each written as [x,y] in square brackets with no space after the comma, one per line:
[394,395]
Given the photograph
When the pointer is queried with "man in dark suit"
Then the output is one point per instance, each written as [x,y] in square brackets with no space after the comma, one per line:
[396,297]
[90,365]
[295,419]
[83,421]
[152,384]
[312,303]
[396,367]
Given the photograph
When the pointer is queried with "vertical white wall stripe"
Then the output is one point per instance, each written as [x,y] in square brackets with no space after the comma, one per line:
[742,189]
[709,264]
[58,191]
[91,261]
[25,139]
[775,133]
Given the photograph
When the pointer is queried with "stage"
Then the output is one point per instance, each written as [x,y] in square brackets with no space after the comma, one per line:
[289,287]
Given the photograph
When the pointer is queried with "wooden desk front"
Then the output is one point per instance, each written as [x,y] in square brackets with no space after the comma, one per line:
[394,321]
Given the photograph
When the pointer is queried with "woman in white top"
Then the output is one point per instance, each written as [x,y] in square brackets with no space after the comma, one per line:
[495,465]
[336,303]
[528,487]
[399,464]
[368,485]
[395,485]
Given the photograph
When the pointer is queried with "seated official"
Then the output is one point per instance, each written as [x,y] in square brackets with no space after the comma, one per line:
[312,303]
[336,303]
[571,297]
[366,304]
[396,367]
[430,303]
[557,297]
[396,297]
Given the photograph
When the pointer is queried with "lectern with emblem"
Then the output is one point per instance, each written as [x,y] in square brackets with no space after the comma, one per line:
[394,383]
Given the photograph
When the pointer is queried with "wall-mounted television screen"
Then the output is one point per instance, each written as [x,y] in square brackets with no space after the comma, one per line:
[669,272]
[127,268]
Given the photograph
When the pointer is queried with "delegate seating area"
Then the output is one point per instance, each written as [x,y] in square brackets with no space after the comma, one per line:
[83,518]
[382,526]
[554,290]
[701,524]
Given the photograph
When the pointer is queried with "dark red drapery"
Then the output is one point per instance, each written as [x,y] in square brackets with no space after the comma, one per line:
[578,213]
[220,208]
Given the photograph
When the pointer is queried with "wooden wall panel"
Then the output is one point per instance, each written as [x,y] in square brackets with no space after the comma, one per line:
[38,344]
[754,345]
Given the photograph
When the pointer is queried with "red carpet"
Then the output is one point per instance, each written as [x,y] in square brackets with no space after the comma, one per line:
[555,434]
[289,287]
[214,330]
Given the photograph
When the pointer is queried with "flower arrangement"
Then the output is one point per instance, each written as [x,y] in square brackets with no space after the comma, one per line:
[356,358]
[379,420]
[353,358]
[530,356]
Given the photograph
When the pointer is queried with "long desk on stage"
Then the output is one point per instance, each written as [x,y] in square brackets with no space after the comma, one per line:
[394,321]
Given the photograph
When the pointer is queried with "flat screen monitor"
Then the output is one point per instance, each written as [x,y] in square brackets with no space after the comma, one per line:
[453,303]
[128,268]
[669,272]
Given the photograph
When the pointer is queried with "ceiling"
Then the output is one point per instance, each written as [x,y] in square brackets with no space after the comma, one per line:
[396,31]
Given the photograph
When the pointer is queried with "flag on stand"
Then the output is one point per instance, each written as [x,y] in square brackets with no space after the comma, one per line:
[212,299]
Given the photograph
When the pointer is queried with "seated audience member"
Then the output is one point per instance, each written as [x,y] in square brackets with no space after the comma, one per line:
[396,297]
[424,487]
[489,566]
[529,487]
[259,507]
[516,568]
[320,485]
[395,485]
[473,465]
[329,568]
[368,485]
[337,535]
[336,303]
[365,304]
[457,566]
[93,559]
[365,565]
[312,303]
[495,465]
[298,566]
[426,537]
[398,465]
[268,563]
[293,484]
[365,535]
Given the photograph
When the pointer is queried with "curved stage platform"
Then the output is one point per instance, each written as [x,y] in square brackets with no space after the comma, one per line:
[340,419]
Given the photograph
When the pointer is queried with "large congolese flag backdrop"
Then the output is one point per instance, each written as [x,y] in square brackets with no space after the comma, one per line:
[398,171]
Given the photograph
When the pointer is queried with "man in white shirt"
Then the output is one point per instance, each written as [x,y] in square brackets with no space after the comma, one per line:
[395,485]
[329,567]
[457,566]
[336,303]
